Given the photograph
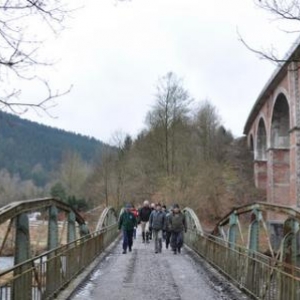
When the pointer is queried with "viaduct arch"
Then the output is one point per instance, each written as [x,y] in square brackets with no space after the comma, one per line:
[273,134]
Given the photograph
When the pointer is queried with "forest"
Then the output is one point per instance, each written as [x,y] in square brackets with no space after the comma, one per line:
[34,157]
[184,155]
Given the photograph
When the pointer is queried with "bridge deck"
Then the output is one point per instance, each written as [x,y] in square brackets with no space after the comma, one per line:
[142,274]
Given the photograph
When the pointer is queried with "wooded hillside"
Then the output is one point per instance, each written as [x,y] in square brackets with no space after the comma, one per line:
[26,146]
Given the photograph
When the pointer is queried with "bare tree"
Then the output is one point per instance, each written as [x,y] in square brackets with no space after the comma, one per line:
[73,173]
[206,124]
[171,108]
[280,10]
[123,143]
[13,189]
[24,26]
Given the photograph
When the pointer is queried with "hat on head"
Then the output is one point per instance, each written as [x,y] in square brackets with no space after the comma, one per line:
[176,206]
[128,205]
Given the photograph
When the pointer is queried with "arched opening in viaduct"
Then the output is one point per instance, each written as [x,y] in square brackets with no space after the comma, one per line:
[279,153]
[280,123]
[261,144]
[260,165]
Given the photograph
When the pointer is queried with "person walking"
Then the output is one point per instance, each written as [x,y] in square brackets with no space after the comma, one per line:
[136,214]
[168,231]
[164,209]
[144,215]
[157,223]
[127,222]
[152,206]
[177,223]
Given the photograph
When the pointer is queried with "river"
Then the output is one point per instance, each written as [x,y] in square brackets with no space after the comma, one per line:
[6,262]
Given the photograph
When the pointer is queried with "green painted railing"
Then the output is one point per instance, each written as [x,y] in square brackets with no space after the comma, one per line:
[44,276]
[260,276]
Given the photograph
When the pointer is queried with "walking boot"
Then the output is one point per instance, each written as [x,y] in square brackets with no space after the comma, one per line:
[159,246]
[143,235]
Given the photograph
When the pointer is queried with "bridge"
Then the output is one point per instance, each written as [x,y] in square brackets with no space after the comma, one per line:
[51,254]
[272,131]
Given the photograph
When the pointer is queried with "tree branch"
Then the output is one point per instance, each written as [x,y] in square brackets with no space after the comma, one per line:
[20,46]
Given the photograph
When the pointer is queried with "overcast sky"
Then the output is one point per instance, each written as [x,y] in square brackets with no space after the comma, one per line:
[113,54]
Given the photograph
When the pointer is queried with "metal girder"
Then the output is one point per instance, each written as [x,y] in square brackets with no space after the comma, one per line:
[52,264]
[22,244]
[232,233]
[253,241]
[289,249]
[12,210]
[261,206]
[108,217]
[52,228]
[193,217]
[21,288]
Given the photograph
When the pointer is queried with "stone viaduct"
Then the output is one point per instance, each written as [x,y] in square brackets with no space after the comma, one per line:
[273,133]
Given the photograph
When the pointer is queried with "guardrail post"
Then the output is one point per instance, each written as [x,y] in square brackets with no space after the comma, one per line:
[289,250]
[53,265]
[71,257]
[71,227]
[232,230]
[252,271]
[290,229]
[253,241]
[52,228]
[22,286]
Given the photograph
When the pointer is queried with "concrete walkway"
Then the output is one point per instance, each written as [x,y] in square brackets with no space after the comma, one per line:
[144,275]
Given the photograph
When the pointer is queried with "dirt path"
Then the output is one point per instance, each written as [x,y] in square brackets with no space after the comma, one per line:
[144,275]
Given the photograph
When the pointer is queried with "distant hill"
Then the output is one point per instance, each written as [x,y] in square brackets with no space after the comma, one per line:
[25,145]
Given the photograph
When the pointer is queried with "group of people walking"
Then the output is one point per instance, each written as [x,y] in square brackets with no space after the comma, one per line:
[156,223]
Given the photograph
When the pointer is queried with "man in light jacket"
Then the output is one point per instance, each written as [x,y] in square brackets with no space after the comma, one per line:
[157,223]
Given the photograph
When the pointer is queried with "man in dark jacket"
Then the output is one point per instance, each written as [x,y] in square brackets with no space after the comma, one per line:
[127,222]
[157,223]
[144,215]
[177,224]
[168,230]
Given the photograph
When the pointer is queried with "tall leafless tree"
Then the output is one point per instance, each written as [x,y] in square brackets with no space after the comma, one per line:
[171,107]
[24,26]
[280,10]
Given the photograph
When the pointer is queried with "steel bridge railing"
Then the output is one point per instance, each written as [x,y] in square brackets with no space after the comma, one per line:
[260,276]
[44,276]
